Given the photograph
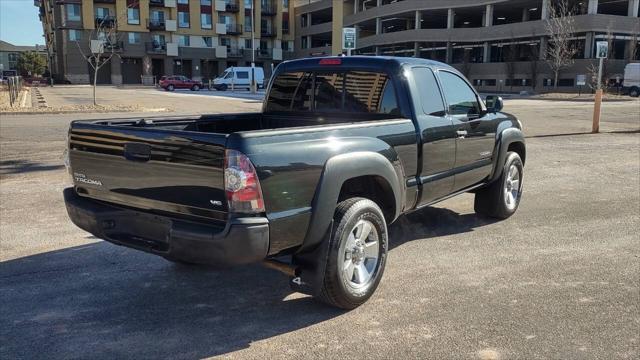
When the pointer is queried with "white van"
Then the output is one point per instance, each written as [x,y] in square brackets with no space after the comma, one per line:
[239,77]
[631,83]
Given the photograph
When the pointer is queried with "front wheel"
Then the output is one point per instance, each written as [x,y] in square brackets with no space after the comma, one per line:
[171,88]
[634,92]
[357,254]
[195,88]
[223,87]
[501,198]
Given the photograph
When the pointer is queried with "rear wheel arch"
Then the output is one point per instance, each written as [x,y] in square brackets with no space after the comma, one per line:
[342,176]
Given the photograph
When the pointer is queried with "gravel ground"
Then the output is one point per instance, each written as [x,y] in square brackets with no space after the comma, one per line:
[557,280]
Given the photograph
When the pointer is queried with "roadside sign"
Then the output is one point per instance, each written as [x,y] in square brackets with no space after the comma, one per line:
[348,39]
[581,80]
[602,49]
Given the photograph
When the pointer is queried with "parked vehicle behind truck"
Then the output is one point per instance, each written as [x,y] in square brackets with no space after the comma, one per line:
[342,147]
[631,82]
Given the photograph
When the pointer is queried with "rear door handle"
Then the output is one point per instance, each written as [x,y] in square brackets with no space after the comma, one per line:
[461,133]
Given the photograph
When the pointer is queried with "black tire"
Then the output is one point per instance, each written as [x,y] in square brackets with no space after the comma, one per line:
[634,92]
[170,88]
[493,200]
[195,88]
[336,288]
[223,87]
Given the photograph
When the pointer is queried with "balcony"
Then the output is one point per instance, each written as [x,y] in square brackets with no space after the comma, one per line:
[105,1]
[285,30]
[231,6]
[155,47]
[264,54]
[234,29]
[113,46]
[268,31]
[156,3]
[105,21]
[156,24]
[268,9]
[234,52]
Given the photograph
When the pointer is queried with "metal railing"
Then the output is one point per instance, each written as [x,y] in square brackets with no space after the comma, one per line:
[234,29]
[231,6]
[15,86]
[264,53]
[105,21]
[156,2]
[155,47]
[268,31]
[115,46]
[156,24]
[234,52]
[268,9]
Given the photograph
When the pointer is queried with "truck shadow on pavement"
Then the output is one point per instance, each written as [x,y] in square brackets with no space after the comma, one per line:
[100,300]
[8,167]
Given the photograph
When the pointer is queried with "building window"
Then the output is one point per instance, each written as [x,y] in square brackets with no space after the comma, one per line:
[247,43]
[205,21]
[304,42]
[225,41]
[75,35]
[102,13]
[304,20]
[183,19]
[205,2]
[183,40]
[134,38]
[247,23]
[158,41]
[13,61]
[133,16]
[208,41]
[73,12]
[184,2]
[285,5]
[248,4]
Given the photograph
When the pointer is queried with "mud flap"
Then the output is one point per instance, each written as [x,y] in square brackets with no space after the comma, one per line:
[311,267]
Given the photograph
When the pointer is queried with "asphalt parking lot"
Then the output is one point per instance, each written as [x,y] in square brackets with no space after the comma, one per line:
[559,279]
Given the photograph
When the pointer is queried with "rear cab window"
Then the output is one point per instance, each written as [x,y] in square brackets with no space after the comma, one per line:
[343,92]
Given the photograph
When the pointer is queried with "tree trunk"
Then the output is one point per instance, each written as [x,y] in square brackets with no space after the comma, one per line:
[95,80]
[555,79]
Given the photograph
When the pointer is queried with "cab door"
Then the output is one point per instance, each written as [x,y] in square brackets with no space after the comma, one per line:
[437,137]
[474,128]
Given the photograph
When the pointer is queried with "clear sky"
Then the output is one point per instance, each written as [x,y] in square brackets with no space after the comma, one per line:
[19,23]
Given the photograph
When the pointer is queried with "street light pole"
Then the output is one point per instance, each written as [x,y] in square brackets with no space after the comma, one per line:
[253,47]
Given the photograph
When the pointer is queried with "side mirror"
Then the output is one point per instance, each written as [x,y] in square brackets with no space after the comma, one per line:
[494,103]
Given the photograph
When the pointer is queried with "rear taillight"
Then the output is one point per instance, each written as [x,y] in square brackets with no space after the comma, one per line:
[241,184]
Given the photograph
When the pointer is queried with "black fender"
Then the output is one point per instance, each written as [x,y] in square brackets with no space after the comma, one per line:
[505,138]
[311,258]
[339,169]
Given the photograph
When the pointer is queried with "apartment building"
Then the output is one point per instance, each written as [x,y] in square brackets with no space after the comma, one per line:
[153,38]
[499,44]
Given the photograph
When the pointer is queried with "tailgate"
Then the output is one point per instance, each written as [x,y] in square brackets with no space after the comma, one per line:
[162,170]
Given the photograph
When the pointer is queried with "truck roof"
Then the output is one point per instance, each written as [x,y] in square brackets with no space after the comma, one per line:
[366,62]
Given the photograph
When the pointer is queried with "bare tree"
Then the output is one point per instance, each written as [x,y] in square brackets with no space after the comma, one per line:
[104,43]
[561,28]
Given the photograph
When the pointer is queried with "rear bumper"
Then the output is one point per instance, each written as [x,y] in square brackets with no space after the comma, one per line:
[241,241]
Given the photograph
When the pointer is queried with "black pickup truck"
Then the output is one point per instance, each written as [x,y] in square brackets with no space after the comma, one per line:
[342,148]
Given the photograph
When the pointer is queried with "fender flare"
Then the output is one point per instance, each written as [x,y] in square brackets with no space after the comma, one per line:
[337,171]
[505,138]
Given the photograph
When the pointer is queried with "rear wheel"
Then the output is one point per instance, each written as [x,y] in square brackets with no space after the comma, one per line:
[195,88]
[634,92]
[501,198]
[223,87]
[170,87]
[357,254]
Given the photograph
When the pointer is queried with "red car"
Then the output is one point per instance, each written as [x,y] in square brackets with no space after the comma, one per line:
[171,83]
